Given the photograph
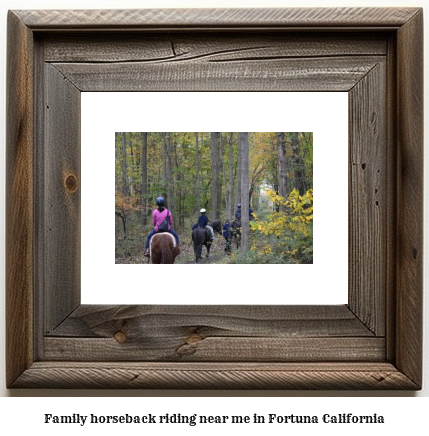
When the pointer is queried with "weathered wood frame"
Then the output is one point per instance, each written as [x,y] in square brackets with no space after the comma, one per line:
[374,342]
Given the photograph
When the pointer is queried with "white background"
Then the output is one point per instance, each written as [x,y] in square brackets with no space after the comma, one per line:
[324,282]
[16,414]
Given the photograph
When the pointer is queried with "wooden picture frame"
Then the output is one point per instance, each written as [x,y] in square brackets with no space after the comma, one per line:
[373,342]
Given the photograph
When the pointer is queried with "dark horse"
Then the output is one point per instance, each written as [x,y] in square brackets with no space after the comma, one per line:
[216,226]
[163,248]
[201,237]
[235,230]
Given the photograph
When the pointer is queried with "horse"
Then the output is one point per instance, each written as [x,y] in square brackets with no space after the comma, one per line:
[200,237]
[163,248]
[235,230]
[216,226]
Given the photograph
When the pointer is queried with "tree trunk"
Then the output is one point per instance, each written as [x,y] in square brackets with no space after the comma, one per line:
[230,211]
[144,178]
[164,164]
[197,163]
[124,165]
[238,180]
[224,176]
[170,201]
[281,154]
[298,165]
[244,152]
[218,181]
[214,156]
[177,185]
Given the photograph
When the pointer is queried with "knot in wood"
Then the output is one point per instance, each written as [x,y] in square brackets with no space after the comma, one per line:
[71,183]
[120,337]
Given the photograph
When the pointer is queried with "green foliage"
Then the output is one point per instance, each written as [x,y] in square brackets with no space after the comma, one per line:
[293,229]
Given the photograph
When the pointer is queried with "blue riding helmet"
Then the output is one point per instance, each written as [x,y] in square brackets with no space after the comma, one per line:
[160,200]
[238,205]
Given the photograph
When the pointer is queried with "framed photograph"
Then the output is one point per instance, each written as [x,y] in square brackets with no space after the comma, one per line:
[58,60]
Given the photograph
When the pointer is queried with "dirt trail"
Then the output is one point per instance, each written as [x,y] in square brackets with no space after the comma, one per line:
[211,259]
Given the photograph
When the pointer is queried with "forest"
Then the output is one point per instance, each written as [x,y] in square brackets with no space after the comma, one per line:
[270,174]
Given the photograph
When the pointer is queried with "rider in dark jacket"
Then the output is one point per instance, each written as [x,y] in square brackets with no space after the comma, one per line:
[238,212]
[203,219]
[227,235]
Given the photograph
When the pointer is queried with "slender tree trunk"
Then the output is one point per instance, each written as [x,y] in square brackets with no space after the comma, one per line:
[117,159]
[170,201]
[177,186]
[164,164]
[214,156]
[197,163]
[298,165]
[238,180]
[281,154]
[124,165]
[144,178]
[224,177]
[230,211]
[244,152]
[218,180]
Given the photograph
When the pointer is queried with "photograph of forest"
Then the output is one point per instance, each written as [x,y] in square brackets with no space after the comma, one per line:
[214,197]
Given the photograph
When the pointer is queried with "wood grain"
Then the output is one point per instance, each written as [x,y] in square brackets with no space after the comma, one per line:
[151,19]
[368,203]
[19,200]
[324,74]
[213,333]
[193,348]
[409,273]
[99,321]
[173,47]
[110,375]
[61,185]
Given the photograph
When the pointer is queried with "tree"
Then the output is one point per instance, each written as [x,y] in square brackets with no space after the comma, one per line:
[281,153]
[243,142]
[164,164]
[238,177]
[144,178]
[298,166]
[124,165]
[230,210]
[170,200]
[214,155]
[219,182]
[197,169]
[227,204]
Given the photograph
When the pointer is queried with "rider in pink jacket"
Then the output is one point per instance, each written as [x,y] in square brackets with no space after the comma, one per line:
[158,216]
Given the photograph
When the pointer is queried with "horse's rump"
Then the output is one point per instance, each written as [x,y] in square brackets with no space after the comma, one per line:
[163,248]
[236,224]
[216,226]
[200,237]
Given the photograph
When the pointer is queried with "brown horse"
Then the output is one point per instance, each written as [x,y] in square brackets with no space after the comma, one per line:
[163,248]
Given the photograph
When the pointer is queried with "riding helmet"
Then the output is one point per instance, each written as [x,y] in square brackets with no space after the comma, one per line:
[160,200]
[238,205]
[203,211]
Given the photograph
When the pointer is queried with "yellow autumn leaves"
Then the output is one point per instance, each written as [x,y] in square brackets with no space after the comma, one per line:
[292,226]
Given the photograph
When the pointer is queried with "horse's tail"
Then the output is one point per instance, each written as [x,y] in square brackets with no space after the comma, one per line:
[198,238]
[166,253]
[199,249]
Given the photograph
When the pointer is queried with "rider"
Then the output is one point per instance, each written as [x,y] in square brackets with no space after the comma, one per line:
[238,213]
[227,236]
[158,216]
[203,222]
